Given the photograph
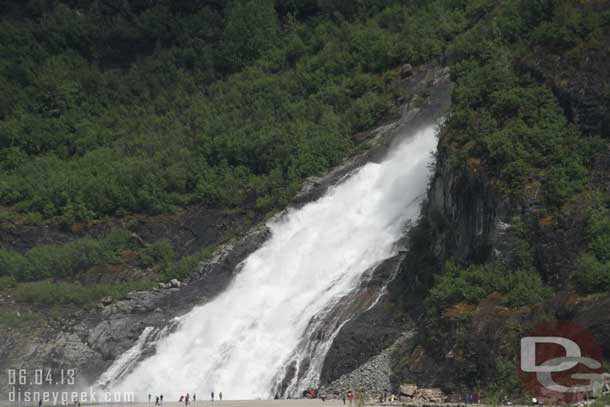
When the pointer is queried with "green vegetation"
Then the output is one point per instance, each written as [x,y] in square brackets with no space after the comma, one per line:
[62,261]
[476,282]
[145,108]
[13,319]
[53,293]
[506,383]
[188,264]
[593,266]
[7,282]
[509,125]
[601,402]
[160,253]
[504,117]
[109,108]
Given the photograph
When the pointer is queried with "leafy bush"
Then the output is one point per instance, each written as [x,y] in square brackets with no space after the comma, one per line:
[593,266]
[7,282]
[592,275]
[160,253]
[188,264]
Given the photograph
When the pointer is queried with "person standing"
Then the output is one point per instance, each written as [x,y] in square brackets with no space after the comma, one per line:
[212,396]
[156,400]
[194,397]
[343,395]
[219,396]
[161,399]
[360,401]
[148,399]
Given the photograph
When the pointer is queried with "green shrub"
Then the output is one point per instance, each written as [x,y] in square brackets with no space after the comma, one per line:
[7,282]
[506,383]
[592,275]
[160,253]
[188,264]
[593,266]
[526,288]
[11,263]
[476,282]
[62,260]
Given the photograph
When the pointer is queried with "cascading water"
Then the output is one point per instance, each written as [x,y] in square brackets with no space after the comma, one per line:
[242,342]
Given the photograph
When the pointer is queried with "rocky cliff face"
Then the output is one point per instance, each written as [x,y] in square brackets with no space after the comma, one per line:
[467,220]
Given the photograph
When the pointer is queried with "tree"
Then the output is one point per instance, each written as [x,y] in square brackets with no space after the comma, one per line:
[252,28]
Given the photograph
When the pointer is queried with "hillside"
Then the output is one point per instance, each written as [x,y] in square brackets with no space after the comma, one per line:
[138,137]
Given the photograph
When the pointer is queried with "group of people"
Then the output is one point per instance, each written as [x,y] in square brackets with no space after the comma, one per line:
[219,396]
[187,399]
[359,397]
[351,397]
[184,398]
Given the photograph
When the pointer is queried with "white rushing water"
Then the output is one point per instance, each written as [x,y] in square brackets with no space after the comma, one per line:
[240,341]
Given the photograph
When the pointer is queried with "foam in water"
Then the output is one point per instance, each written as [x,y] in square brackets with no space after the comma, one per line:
[316,255]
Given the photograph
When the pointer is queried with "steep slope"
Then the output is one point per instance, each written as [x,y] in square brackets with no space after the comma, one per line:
[515,228]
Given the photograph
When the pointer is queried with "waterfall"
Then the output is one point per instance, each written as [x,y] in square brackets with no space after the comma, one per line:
[243,341]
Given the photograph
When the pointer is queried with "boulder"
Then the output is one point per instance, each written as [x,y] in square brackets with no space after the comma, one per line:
[408,390]
[406,70]
[106,301]
[175,283]
[434,395]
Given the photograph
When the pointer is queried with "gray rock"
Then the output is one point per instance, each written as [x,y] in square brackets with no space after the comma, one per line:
[406,70]
[408,389]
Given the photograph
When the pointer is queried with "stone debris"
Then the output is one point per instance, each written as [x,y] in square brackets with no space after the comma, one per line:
[373,376]
[173,283]
[434,395]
